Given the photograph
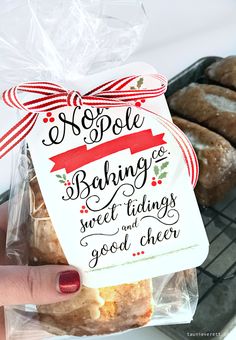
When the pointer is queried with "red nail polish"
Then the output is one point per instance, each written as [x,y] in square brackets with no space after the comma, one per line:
[69,282]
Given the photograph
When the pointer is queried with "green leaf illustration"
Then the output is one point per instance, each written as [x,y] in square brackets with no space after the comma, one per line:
[139,83]
[164,165]
[59,176]
[163,175]
[61,181]
[132,88]
[64,176]
[156,170]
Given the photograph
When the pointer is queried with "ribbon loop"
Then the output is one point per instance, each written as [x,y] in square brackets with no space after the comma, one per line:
[47,96]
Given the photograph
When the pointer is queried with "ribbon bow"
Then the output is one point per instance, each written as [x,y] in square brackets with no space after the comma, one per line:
[50,96]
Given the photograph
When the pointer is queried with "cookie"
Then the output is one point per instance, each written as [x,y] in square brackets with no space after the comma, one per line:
[223,72]
[209,105]
[217,162]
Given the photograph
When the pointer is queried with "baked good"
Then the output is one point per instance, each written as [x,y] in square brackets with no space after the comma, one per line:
[217,161]
[210,105]
[223,72]
[103,310]
[100,311]
[92,311]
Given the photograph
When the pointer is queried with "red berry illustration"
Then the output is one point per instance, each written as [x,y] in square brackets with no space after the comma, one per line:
[154,183]
[142,100]
[84,210]
[138,104]
[48,118]
[159,181]
[138,253]
[153,178]
[62,179]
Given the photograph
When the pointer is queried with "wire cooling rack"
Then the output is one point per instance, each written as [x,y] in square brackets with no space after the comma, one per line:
[217,275]
[220,224]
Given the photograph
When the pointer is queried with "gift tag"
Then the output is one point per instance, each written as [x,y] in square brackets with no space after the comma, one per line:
[117,183]
[116,175]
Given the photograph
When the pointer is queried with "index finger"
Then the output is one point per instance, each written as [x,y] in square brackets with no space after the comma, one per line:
[3,216]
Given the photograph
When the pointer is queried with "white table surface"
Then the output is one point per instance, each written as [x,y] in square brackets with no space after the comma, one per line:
[179,33]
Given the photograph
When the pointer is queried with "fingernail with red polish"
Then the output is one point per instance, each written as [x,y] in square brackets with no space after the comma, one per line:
[69,282]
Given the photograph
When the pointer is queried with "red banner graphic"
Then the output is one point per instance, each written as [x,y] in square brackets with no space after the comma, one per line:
[76,158]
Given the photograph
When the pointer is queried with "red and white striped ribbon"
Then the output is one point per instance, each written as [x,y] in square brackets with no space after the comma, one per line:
[50,96]
[187,150]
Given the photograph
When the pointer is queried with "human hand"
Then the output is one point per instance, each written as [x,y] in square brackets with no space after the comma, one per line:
[33,285]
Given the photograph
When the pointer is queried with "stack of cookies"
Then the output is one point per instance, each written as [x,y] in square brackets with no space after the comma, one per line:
[207,115]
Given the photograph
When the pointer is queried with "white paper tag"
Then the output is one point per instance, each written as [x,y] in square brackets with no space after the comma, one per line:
[118,193]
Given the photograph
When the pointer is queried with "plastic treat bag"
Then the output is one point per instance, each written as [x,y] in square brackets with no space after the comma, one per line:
[63,42]
[163,300]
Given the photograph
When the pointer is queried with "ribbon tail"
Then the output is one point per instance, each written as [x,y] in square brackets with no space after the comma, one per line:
[17,133]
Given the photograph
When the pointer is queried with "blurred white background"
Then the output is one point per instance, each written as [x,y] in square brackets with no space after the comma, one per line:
[179,33]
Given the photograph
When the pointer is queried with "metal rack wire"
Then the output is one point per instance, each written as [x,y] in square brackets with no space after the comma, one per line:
[216,276]
[222,217]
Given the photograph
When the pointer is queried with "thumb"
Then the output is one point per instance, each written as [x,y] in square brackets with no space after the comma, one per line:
[37,285]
